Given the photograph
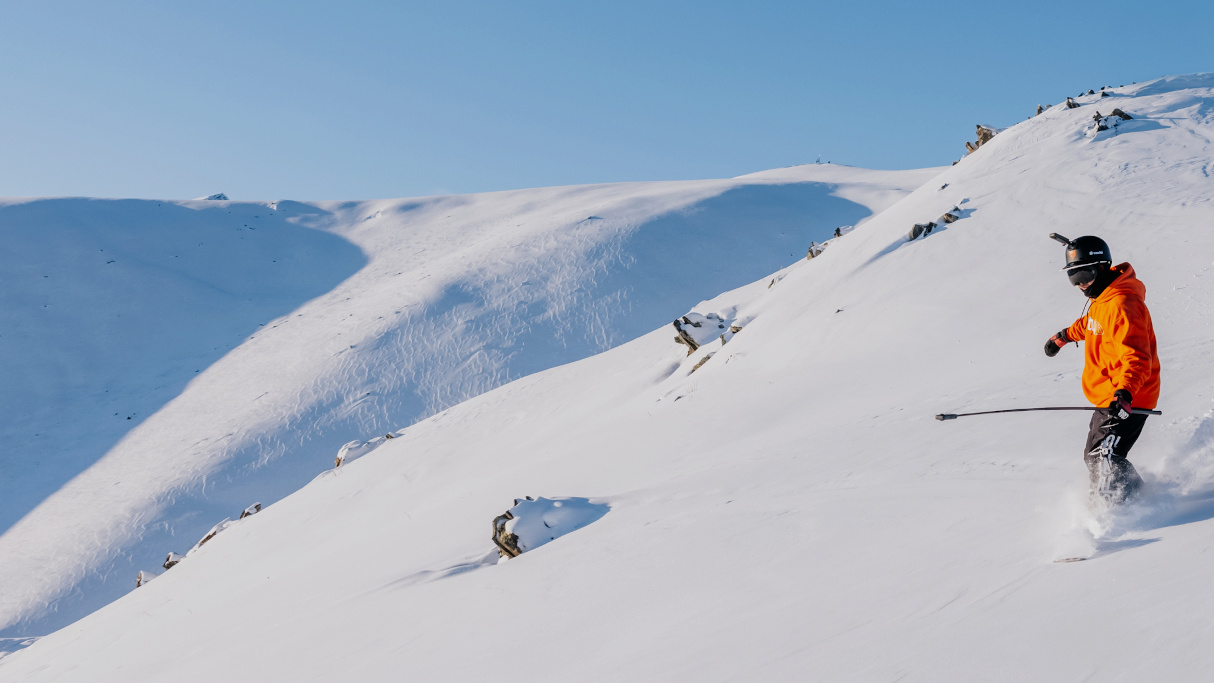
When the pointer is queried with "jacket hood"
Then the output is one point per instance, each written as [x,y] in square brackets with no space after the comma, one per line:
[1125,284]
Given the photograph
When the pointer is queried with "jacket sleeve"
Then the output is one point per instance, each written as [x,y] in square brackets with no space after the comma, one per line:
[1132,344]
[1078,331]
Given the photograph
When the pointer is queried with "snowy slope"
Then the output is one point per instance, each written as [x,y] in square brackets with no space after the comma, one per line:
[168,363]
[790,511]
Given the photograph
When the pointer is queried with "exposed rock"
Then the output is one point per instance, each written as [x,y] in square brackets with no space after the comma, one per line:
[171,560]
[843,230]
[704,360]
[1071,104]
[951,215]
[357,449]
[920,230]
[684,337]
[815,250]
[532,522]
[215,530]
[217,197]
[506,542]
[985,134]
[143,577]
[1107,122]
[695,329]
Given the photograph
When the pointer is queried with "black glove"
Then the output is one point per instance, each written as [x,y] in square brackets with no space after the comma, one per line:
[1055,343]
[1119,408]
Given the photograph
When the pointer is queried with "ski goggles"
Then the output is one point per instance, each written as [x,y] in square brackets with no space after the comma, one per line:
[1082,275]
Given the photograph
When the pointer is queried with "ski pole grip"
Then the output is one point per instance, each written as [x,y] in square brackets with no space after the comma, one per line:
[946,416]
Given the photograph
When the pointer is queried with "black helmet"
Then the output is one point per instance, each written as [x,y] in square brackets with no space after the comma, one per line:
[1086,258]
[1087,251]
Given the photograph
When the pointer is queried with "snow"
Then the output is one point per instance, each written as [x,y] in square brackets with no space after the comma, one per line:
[704,328]
[788,511]
[358,448]
[538,521]
[174,361]
[11,645]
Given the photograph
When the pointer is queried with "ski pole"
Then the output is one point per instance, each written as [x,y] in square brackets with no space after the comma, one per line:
[954,416]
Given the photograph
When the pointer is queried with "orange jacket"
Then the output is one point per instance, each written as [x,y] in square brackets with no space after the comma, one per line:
[1119,343]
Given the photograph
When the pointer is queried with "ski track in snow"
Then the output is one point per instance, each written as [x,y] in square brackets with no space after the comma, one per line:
[785,508]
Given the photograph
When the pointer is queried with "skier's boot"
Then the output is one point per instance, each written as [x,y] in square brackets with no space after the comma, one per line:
[1126,480]
[1113,479]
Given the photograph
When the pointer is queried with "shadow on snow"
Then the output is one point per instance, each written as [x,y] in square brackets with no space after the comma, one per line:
[111,307]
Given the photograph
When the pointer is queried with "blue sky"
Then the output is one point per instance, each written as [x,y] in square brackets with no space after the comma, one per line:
[326,100]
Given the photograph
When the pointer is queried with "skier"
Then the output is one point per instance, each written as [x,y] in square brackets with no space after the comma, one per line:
[1121,365]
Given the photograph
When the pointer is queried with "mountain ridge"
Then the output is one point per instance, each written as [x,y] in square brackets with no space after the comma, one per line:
[789,507]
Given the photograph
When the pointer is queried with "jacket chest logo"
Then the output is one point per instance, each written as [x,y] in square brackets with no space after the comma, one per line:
[1095,327]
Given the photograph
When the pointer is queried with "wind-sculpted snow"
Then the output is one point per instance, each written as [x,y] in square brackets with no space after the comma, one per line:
[234,334]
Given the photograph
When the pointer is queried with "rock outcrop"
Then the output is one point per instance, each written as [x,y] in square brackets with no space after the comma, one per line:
[1102,123]
[985,135]
[920,230]
[696,329]
[924,229]
[532,522]
[173,559]
[357,448]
